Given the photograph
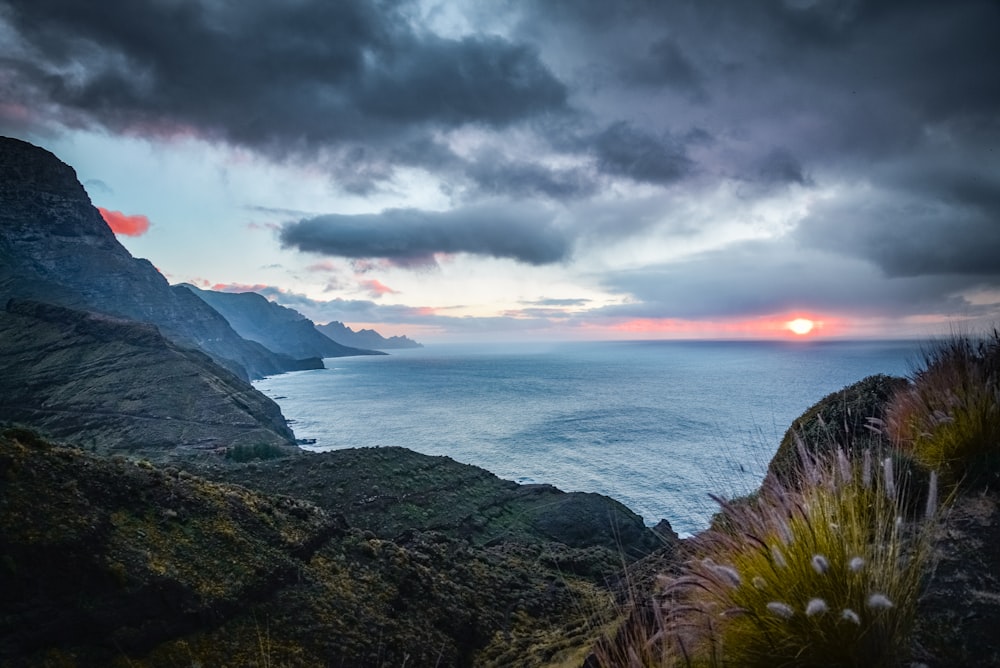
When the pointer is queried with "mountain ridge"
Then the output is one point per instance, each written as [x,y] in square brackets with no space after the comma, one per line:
[278,328]
[119,385]
[367,338]
[56,247]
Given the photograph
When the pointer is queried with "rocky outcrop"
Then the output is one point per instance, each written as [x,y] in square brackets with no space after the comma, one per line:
[960,601]
[959,609]
[112,562]
[391,491]
[55,247]
[119,385]
[365,338]
[276,327]
[840,419]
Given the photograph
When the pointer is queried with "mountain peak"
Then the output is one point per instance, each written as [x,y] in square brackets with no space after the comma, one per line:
[29,167]
[56,247]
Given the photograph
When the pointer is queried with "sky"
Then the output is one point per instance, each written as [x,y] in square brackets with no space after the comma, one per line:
[528,169]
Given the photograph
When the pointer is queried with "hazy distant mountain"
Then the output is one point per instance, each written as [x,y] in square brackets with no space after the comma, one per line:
[281,329]
[365,338]
[119,385]
[55,247]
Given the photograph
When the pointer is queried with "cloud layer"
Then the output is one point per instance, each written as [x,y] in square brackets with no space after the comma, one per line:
[685,159]
[412,237]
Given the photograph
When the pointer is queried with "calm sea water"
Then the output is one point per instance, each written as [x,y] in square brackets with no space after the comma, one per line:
[657,425]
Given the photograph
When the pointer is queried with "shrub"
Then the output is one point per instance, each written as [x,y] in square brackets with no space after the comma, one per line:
[823,574]
[948,418]
[840,419]
[257,451]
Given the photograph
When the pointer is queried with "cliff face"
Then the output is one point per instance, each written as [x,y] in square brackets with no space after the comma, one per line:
[278,328]
[117,385]
[56,247]
[365,338]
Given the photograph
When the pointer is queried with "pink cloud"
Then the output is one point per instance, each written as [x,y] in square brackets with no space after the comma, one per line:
[130,226]
[324,265]
[377,288]
[241,287]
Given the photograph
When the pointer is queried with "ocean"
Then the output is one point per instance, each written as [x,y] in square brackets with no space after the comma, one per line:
[657,425]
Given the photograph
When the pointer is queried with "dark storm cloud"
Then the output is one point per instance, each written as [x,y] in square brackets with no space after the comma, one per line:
[451,82]
[664,64]
[493,174]
[943,226]
[527,236]
[625,150]
[779,167]
[266,75]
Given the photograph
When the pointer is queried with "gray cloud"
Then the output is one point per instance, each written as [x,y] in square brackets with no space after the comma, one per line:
[779,167]
[888,109]
[665,64]
[560,302]
[762,278]
[949,226]
[409,235]
[279,78]
[493,174]
[624,150]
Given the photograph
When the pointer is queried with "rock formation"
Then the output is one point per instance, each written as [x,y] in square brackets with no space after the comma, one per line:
[365,338]
[276,327]
[55,247]
[117,385]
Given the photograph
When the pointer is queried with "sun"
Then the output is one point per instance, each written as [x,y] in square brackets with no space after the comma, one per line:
[800,326]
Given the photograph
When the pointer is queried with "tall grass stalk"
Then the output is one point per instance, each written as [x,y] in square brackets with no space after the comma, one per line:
[949,416]
[822,574]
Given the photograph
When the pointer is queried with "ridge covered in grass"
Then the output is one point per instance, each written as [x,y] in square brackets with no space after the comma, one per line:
[948,417]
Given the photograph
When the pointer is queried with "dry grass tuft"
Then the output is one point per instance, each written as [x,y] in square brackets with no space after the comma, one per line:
[948,419]
[826,573]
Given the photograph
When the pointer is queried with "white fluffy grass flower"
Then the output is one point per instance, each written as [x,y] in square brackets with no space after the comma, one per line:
[879,601]
[820,564]
[816,606]
[850,616]
[780,609]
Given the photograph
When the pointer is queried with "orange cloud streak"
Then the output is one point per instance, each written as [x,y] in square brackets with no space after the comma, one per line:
[130,226]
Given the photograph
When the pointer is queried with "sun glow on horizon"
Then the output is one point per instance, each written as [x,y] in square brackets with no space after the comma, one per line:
[800,326]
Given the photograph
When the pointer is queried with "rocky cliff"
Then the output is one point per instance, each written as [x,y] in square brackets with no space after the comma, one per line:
[55,247]
[117,562]
[118,385]
[276,327]
[365,338]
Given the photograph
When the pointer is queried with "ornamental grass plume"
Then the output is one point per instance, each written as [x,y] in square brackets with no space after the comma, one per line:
[823,574]
[948,418]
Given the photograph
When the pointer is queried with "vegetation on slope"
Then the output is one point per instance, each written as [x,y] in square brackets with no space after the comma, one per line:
[111,561]
[839,561]
[949,416]
[118,385]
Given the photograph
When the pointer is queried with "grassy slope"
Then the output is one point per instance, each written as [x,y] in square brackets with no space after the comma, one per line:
[117,562]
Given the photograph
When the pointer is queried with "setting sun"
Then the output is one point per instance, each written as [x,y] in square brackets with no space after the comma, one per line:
[801,326]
